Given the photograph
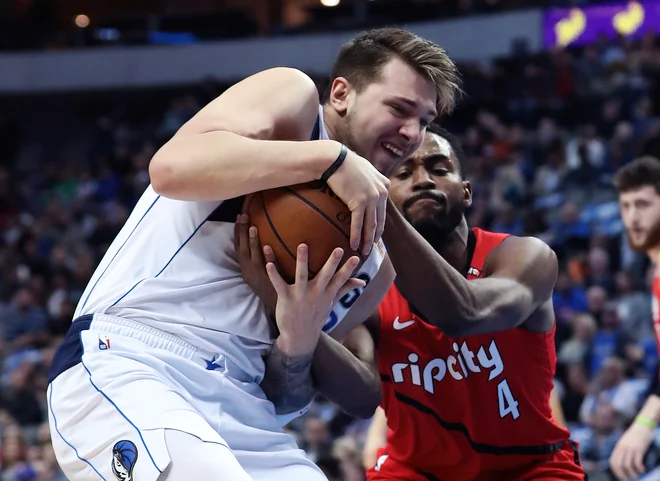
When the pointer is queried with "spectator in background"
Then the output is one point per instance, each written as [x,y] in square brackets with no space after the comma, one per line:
[568,297]
[570,231]
[19,399]
[611,387]
[25,324]
[316,438]
[633,307]
[597,444]
[576,349]
[610,340]
[598,267]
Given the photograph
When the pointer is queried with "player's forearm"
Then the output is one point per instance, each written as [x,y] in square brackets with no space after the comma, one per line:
[440,293]
[287,382]
[651,409]
[344,379]
[437,290]
[222,165]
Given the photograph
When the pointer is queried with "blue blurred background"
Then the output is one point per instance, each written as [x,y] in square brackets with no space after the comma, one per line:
[559,94]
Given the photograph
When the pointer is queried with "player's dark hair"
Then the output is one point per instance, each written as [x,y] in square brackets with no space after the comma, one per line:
[454,142]
[361,60]
[641,172]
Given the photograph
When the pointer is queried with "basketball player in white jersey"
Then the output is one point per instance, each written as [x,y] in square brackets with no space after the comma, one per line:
[158,378]
[638,184]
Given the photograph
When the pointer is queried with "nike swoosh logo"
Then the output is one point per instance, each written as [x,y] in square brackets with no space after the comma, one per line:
[402,325]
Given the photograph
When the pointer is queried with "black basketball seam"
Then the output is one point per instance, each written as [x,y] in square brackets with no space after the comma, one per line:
[272,227]
[277,234]
[325,216]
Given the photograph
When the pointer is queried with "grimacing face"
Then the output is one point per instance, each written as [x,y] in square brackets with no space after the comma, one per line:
[428,188]
[386,121]
[640,212]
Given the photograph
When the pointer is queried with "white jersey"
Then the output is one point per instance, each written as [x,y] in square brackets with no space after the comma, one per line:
[173,267]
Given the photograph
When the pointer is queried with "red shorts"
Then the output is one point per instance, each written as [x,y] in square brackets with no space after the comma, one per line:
[564,465]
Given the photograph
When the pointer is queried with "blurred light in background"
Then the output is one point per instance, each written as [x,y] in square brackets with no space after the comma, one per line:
[81,21]
[330,3]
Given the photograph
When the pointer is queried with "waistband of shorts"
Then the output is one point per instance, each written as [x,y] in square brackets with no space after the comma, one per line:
[157,339]
[148,335]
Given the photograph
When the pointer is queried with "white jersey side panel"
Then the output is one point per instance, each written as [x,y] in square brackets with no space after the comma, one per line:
[173,267]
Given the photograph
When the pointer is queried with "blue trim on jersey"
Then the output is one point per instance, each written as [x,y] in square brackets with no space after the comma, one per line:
[164,267]
[117,408]
[70,352]
[50,408]
[197,437]
[316,133]
[118,251]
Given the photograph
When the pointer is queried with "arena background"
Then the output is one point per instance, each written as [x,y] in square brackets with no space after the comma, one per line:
[558,96]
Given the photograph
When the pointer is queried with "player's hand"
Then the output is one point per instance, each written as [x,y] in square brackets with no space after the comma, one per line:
[253,263]
[364,190]
[304,306]
[627,460]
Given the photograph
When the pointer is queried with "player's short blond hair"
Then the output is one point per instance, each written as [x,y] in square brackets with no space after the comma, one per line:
[361,60]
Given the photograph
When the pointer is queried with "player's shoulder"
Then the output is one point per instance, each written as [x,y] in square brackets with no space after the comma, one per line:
[280,103]
[522,249]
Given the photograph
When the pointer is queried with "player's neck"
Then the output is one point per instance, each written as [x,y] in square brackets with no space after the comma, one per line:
[454,247]
[330,122]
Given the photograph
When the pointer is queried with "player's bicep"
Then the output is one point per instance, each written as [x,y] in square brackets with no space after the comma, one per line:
[527,265]
[276,104]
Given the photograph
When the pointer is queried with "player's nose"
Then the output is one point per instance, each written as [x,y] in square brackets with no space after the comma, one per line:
[422,180]
[412,132]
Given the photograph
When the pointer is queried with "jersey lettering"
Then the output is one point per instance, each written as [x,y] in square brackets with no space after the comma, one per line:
[349,299]
[346,302]
[459,367]
[507,403]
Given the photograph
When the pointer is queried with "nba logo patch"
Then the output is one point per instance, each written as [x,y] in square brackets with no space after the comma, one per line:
[104,342]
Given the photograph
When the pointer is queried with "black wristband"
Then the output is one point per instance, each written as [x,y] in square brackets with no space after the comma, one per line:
[336,164]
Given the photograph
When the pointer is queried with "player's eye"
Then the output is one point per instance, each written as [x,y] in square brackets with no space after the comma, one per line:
[403,175]
[398,110]
[440,172]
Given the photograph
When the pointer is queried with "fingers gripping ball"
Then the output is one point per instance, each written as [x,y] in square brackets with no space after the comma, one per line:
[301,214]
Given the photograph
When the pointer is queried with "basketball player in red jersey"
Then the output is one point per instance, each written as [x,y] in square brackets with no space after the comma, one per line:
[465,338]
[467,357]
[638,184]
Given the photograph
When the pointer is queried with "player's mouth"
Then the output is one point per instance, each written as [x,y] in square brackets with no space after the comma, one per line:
[637,233]
[426,199]
[393,150]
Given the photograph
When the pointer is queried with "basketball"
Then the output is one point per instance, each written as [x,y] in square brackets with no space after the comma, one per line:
[301,214]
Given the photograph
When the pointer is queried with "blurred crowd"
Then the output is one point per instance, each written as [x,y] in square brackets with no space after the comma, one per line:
[543,135]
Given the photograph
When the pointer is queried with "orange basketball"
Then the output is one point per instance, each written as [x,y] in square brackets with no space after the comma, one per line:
[301,214]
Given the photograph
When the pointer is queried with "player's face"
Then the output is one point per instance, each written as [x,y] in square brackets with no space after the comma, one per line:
[429,190]
[640,212]
[386,121]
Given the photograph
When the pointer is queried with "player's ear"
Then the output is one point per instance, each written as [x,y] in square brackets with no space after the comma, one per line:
[467,193]
[339,94]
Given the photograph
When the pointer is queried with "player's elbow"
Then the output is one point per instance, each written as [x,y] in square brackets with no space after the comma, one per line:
[162,172]
[547,266]
[171,169]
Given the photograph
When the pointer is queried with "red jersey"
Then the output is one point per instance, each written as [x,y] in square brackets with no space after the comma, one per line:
[467,408]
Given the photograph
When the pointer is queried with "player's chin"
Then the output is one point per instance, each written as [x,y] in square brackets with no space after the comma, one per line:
[639,244]
[425,223]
